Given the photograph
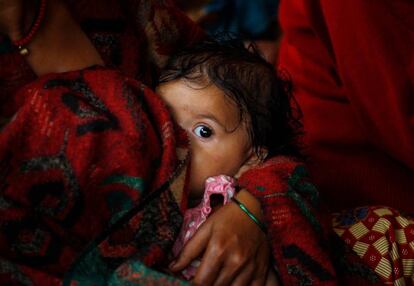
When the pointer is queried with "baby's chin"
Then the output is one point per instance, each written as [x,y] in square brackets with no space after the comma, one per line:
[195,196]
[196,191]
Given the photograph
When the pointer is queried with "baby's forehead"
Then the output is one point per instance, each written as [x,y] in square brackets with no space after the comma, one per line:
[193,101]
[206,94]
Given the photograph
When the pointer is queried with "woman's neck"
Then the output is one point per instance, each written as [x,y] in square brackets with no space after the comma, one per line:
[60,45]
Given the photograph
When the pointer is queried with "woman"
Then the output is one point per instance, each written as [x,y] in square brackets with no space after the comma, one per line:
[94,167]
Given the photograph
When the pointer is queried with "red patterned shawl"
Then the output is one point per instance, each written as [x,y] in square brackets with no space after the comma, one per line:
[93,189]
[91,175]
[133,36]
[297,231]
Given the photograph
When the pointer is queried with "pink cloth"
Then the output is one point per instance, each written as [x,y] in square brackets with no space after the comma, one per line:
[195,217]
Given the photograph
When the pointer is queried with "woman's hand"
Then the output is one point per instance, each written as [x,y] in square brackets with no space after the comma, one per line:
[235,250]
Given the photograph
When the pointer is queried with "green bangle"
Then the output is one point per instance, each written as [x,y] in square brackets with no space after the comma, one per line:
[246,211]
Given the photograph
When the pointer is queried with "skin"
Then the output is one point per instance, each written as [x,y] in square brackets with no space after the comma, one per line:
[230,257]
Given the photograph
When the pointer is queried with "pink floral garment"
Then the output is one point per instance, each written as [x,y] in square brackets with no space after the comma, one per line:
[195,217]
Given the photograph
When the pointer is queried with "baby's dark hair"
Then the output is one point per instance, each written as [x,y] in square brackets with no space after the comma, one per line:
[251,83]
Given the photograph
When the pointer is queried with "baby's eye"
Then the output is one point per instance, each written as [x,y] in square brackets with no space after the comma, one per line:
[203,131]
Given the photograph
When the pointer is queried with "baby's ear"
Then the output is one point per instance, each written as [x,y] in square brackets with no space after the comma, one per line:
[262,154]
[258,156]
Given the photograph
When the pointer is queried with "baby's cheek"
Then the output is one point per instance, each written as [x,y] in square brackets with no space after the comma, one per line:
[210,162]
[196,182]
[198,174]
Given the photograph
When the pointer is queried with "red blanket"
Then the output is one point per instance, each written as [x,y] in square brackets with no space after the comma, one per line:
[134,36]
[297,231]
[90,174]
[92,188]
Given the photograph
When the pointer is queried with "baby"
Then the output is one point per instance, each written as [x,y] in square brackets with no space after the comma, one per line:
[237,113]
[233,106]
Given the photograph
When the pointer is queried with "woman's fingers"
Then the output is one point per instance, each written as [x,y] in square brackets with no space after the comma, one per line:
[231,263]
[244,277]
[210,266]
[262,265]
[259,276]
[255,272]
[193,248]
[259,281]
[236,244]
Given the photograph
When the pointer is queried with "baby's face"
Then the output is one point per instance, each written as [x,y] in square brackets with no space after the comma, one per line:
[219,141]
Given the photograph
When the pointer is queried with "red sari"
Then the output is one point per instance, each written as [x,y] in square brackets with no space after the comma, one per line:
[352,71]
[92,176]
